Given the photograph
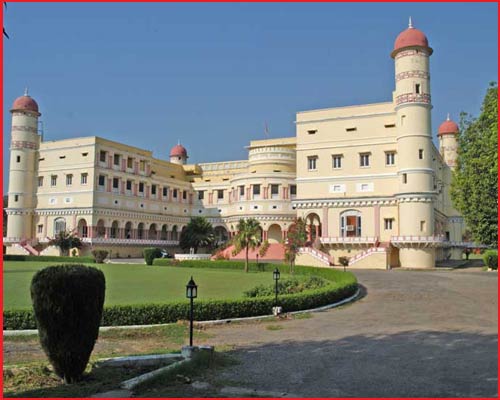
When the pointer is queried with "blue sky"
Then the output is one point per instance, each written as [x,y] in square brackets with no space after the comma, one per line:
[212,75]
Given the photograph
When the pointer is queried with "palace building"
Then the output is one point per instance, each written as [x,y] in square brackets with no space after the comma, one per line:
[367,179]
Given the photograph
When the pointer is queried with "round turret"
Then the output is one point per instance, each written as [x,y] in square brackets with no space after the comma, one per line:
[448,142]
[178,154]
[410,38]
[25,103]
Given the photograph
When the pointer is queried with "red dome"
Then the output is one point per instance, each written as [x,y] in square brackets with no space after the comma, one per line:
[178,151]
[409,38]
[448,126]
[25,103]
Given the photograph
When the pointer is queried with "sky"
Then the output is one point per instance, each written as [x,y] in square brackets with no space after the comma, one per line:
[212,76]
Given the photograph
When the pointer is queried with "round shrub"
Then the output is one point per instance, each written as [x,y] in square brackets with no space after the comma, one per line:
[150,253]
[99,255]
[68,304]
[490,259]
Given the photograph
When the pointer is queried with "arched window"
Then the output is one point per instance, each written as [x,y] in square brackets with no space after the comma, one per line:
[59,225]
[82,228]
[114,230]
[140,231]
[350,223]
[101,230]
[128,230]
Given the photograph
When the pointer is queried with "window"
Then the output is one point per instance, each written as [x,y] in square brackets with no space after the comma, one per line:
[18,158]
[389,125]
[40,181]
[16,197]
[417,88]
[420,154]
[388,223]
[174,194]
[403,117]
[39,229]
[85,154]
[116,183]
[350,224]
[59,225]
[102,180]
[447,235]
[62,157]
[102,156]
[130,162]
[275,190]
[220,194]
[311,163]
[184,195]
[256,190]
[83,178]
[337,161]
[242,191]
[293,190]
[141,187]
[129,185]
[390,158]
[312,131]
[201,194]
[53,180]
[153,190]
[353,129]
[364,160]
[165,191]
[116,159]
[405,178]
[69,179]
[422,226]
[142,165]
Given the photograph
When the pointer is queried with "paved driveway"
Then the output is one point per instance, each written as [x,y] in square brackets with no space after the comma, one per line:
[414,333]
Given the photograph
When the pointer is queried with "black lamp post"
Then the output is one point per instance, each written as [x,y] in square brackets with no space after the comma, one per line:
[276,277]
[191,293]
[257,258]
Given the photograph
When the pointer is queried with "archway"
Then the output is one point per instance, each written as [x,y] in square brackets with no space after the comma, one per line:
[350,223]
[274,234]
[140,231]
[100,229]
[82,228]
[313,227]
[221,235]
[128,230]
[152,232]
[174,233]
[59,225]
[163,234]
[113,233]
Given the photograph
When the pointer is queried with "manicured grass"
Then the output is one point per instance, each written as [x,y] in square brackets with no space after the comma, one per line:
[138,284]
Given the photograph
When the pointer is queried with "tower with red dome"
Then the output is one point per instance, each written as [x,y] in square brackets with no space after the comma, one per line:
[448,142]
[412,98]
[23,173]
[178,154]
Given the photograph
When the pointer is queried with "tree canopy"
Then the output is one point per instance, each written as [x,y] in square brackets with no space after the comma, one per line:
[247,237]
[198,233]
[296,238]
[474,185]
[66,240]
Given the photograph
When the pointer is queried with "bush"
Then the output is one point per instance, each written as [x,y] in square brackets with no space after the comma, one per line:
[150,253]
[490,259]
[68,303]
[339,286]
[287,286]
[16,257]
[99,255]
[344,261]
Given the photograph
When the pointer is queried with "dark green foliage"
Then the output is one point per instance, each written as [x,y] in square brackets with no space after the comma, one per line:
[340,285]
[287,286]
[344,261]
[150,253]
[68,302]
[296,238]
[99,255]
[248,237]
[197,233]
[66,240]
[490,259]
[15,257]
[474,185]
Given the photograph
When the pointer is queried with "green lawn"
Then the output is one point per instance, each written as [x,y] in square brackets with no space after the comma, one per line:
[135,284]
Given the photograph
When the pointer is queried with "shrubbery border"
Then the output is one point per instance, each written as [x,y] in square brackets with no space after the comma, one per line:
[58,259]
[344,286]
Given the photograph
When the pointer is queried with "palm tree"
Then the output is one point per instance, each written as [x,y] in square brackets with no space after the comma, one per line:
[246,238]
[66,240]
[197,233]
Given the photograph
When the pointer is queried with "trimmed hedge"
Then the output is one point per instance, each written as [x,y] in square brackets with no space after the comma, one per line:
[343,285]
[490,259]
[150,253]
[16,257]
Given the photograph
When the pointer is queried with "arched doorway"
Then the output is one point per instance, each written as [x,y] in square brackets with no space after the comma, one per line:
[59,225]
[174,233]
[113,233]
[140,231]
[100,229]
[82,228]
[350,223]
[152,232]
[274,234]
[221,235]
[128,230]
[313,227]
[163,234]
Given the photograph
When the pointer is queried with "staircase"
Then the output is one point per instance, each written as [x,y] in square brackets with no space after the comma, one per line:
[318,255]
[275,252]
[372,251]
[30,249]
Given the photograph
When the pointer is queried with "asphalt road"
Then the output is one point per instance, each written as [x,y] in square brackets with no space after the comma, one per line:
[413,334]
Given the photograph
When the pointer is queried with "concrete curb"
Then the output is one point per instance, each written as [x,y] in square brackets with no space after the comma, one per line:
[212,322]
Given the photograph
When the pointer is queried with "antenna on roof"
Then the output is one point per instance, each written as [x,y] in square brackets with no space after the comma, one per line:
[410,25]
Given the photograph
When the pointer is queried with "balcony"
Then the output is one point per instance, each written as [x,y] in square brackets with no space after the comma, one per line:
[350,240]
[419,241]
[130,242]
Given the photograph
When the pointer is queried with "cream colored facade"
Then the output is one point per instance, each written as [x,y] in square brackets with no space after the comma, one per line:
[368,180]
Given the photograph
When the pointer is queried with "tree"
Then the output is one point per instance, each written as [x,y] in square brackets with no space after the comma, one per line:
[246,238]
[296,238]
[474,183]
[197,233]
[66,240]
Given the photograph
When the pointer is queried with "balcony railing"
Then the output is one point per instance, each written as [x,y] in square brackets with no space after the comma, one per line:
[349,240]
[130,242]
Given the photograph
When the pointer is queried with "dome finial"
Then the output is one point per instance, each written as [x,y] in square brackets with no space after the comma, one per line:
[26,91]
[178,142]
[410,25]
[448,117]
